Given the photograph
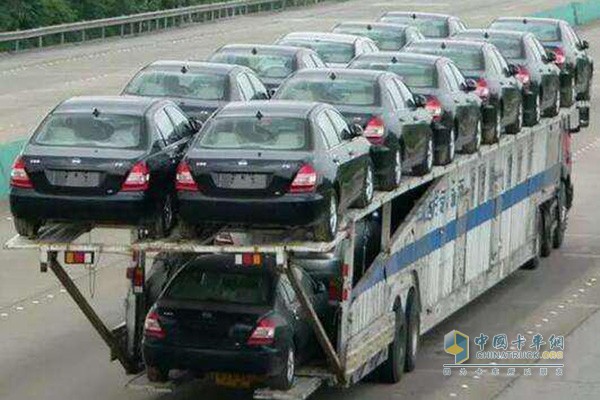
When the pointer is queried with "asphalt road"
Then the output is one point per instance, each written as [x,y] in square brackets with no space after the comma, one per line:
[49,351]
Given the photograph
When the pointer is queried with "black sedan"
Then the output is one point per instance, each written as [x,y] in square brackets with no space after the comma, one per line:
[435,26]
[387,36]
[101,160]
[234,316]
[450,98]
[400,132]
[199,88]
[538,75]
[272,64]
[336,49]
[496,85]
[282,164]
[569,50]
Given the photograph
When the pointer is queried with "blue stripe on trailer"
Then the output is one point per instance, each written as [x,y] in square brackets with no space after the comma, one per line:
[437,238]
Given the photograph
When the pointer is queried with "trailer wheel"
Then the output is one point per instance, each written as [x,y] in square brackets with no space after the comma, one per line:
[414,328]
[27,228]
[285,379]
[558,235]
[546,234]
[392,369]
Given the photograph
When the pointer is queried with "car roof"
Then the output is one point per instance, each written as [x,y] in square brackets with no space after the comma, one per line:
[451,43]
[389,26]
[270,107]
[323,36]
[131,105]
[428,59]
[529,19]
[198,66]
[491,33]
[372,75]
[416,15]
[262,48]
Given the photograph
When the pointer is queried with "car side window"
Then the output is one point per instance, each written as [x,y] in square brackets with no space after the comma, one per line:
[288,290]
[307,61]
[245,86]
[405,92]
[537,48]
[338,121]
[259,88]
[327,129]
[494,64]
[164,125]
[450,79]
[317,60]
[395,95]
[181,122]
[460,78]
[569,35]
[501,60]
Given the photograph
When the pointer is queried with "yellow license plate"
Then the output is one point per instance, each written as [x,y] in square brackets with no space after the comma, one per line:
[235,380]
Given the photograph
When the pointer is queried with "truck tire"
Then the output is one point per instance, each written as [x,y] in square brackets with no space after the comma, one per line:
[413,322]
[27,228]
[546,236]
[285,379]
[392,369]
[558,236]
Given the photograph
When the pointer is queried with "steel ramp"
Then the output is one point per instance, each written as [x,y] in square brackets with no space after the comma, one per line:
[302,389]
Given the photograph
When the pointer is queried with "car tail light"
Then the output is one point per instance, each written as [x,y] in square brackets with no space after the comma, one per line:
[559,52]
[263,334]
[482,90]
[152,326]
[138,179]
[375,131]
[18,175]
[305,180]
[334,290]
[434,106]
[185,181]
[523,75]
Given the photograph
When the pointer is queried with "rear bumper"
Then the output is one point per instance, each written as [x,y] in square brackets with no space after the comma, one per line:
[259,361]
[287,210]
[121,208]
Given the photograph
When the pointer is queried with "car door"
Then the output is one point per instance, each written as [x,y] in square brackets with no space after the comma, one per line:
[299,320]
[511,89]
[260,91]
[245,87]
[161,163]
[469,102]
[184,131]
[583,62]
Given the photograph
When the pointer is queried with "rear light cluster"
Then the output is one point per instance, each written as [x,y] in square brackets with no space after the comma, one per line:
[434,106]
[305,180]
[482,90]
[152,326]
[559,52]
[18,175]
[138,179]
[523,75]
[263,334]
[375,131]
[184,181]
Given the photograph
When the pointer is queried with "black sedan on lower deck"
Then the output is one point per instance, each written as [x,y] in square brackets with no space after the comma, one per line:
[233,316]
[536,71]
[449,97]
[277,163]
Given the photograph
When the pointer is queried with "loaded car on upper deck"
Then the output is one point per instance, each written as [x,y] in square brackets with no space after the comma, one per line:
[199,88]
[431,25]
[570,55]
[449,96]
[275,164]
[271,63]
[387,36]
[335,49]
[496,85]
[101,160]
[537,73]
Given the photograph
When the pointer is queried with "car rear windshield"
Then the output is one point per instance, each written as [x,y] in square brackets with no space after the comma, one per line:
[253,133]
[195,284]
[265,65]
[544,31]
[330,52]
[509,47]
[413,75]
[467,58]
[191,85]
[89,130]
[386,39]
[433,28]
[340,91]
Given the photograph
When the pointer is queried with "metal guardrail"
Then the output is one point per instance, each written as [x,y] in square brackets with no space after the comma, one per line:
[136,24]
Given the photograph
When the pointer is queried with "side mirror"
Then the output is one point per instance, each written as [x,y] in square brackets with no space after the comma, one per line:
[261,96]
[584,45]
[320,287]
[469,85]
[354,130]
[196,124]
[271,93]
[419,101]
[512,70]
[550,57]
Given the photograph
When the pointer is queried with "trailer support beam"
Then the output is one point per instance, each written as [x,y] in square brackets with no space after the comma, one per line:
[104,332]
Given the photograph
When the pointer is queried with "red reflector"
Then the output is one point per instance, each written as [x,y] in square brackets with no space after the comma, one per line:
[138,277]
[79,257]
[345,270]
[138,179]
[334,290]
[18,175]
[375,131]
[305,180]
[184,180]
[247,259]
[263,334]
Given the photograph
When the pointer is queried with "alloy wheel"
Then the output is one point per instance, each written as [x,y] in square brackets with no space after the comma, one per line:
[333,216]
[429,155]
[369,185]
[452,146]
[538,109]
[167,213]
[498,124]
[398,168]
[291,365]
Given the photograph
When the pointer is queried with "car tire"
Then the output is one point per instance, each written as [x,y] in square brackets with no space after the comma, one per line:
[161,223]
[538,111]
[425,166]
[368,189]
[392,369]
[555,110]
[157,374]
[569,99]
[475,143]
[326,230]
[558,236]
[392,179]
[448,153]
[285,379]
[413,323]
[27,228]
[516,126]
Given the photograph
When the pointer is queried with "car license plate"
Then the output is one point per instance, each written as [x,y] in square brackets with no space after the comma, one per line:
[235,380]
[241,181]
[73,178]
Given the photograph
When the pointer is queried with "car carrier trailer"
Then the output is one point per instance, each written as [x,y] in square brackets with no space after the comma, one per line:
[446,238]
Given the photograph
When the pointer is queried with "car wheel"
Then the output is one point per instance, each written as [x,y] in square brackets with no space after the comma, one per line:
[285,379]
[448,153]
[392,369]
[157,374]
[515,127]
[425,166]
[326,230]
[475,143]
[558,235]
[538,110]
[368,188]
[413,328]
[162,222]
[26,227]
[555,110]
[394,176]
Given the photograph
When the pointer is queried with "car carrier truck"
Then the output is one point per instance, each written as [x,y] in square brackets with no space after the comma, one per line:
[445,239]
